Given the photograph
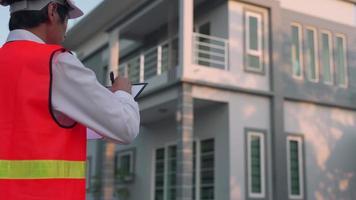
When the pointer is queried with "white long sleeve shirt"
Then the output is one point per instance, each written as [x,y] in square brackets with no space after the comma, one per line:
[78,96]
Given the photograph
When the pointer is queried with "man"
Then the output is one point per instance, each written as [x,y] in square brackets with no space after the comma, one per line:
[47,99]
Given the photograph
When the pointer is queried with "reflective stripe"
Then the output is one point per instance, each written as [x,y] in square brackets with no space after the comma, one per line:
[42,169]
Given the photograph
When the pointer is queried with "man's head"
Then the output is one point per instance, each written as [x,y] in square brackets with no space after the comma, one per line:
[46,18]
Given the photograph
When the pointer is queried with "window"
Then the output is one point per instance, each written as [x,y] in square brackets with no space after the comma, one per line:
[159,174]
[253,41]
[295,167]
[124,165]
[88,172]
[340,60]
[296,51]
[312,55]
[203,171]
[172,172]
[256,164]
[326,57]
[207,167]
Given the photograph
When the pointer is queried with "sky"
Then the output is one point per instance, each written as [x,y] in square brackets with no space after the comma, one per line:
[85,5]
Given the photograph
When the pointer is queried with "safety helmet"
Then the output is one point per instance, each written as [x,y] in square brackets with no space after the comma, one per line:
[32,5]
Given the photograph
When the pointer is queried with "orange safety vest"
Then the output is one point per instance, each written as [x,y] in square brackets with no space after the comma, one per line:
[39,159]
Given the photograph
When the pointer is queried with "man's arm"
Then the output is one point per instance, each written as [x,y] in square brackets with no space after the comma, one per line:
[78,95]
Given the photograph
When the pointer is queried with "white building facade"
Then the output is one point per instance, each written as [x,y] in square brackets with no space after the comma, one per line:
[246,99]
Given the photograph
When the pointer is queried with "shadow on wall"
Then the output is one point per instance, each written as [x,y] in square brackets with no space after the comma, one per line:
[329,133]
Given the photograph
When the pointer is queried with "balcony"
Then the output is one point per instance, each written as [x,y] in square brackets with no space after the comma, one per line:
[208,51]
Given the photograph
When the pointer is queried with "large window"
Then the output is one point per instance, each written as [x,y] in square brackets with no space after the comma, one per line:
[254,41]
[159,174]
[203,171]
[207,167]
[340,60]
[125,165]
[296,51]
[172,172]
[295,167]
[256,164]
[312,55]
[327,57]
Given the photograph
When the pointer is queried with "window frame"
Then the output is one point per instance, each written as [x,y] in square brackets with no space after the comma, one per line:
[260,44]
[316,54]
[165,171]
[344,39]
[331,56]
[118,156]
[301,52]
[250,133]
[300,141]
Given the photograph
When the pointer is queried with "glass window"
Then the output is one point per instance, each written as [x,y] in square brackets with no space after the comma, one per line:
[340,60]
[256,164]
[203,177]
[296,50]
[254,41]
[172,172]
[295,167]
[159,174]
[207,167]
[312,55]
[326,57]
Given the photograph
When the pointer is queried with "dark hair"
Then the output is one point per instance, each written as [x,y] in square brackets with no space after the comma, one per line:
[31,19]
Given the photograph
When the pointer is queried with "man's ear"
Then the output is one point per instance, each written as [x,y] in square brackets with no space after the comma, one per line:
[52,13]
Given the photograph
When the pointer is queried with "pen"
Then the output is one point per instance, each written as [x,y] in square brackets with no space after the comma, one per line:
[112,78]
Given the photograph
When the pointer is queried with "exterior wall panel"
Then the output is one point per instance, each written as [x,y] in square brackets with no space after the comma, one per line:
[329,140]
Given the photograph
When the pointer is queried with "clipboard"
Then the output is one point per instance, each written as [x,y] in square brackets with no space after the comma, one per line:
[137,89]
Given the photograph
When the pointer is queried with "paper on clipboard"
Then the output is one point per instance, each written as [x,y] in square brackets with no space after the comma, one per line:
[137,89]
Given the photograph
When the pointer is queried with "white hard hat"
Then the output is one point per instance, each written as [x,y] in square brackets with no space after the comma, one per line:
[21,5]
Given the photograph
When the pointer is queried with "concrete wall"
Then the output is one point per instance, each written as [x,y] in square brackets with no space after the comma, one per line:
[245,112]
[329,140]
[343,12]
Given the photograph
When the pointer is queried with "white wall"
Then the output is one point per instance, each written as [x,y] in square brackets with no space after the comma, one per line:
[330,146]
[334,10]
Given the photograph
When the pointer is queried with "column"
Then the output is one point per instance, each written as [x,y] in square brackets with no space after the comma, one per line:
[186,18]
[108,175]
[185,120]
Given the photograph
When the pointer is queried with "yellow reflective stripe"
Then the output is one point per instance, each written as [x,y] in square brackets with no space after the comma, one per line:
[42,169]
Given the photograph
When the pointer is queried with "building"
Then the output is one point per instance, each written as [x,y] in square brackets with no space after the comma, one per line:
[246,100]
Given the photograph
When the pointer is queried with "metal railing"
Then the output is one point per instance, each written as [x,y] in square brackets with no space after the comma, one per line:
[207,51]
[150,63]
[210,51]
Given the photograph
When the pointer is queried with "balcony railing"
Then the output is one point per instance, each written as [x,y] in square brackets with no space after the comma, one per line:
[150,63]
[208,51]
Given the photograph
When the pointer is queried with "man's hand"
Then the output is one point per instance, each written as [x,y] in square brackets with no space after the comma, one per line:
[121,83]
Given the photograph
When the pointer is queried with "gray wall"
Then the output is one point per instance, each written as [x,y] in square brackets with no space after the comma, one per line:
[329,141]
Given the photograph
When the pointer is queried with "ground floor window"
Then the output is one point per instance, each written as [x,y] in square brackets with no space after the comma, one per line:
[165,184]
[295,166]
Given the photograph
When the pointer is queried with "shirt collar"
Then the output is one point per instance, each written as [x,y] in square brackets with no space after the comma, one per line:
[21,34]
